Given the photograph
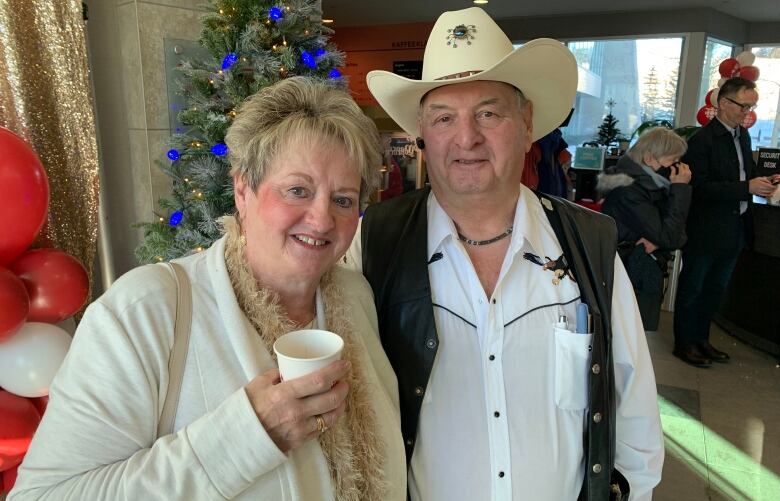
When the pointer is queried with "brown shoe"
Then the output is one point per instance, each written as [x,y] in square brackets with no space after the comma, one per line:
[713,353]
[690,354]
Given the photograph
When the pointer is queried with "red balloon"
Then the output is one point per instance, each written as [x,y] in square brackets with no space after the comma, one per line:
[40,403]
[9,479]
[750,120]
[705,114]
[708,98]
[18,422]
[56,282]
[24,195]
[728,67]
[14,303]
[749,73]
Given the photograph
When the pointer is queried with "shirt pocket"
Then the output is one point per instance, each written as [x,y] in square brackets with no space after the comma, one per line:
[572,359]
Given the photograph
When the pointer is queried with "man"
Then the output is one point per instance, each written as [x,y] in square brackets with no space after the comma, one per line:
[721,161]
[471,295]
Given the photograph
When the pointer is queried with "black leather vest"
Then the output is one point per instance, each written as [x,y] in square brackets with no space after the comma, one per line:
[394,248]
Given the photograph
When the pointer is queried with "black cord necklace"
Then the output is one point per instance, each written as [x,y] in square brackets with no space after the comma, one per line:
[488,241]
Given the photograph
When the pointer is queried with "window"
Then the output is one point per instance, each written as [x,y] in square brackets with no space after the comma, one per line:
[715,52]
[635,78]
[766,130]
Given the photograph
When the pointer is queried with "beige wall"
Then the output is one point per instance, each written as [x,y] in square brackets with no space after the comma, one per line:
[126,40]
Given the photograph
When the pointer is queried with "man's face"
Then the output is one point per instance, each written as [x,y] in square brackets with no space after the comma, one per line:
[731,113]
[476,137]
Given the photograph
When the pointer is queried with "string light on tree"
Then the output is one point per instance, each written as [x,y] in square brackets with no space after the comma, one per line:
[308,60]
[175,218]
[173,155]
[229,61]
[275,14]
[219,149]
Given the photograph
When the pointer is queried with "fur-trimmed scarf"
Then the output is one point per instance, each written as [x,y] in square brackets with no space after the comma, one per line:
[354,452]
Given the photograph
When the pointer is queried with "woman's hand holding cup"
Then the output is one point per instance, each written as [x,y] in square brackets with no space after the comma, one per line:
[288,410]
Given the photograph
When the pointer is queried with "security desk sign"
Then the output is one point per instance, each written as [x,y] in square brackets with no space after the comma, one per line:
[768,161]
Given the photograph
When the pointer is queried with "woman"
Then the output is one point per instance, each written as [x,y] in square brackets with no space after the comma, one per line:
[648,195]
[302,156]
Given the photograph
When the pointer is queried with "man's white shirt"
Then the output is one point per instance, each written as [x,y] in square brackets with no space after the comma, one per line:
[504,411]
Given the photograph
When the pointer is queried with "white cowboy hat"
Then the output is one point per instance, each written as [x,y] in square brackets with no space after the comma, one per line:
[467,45]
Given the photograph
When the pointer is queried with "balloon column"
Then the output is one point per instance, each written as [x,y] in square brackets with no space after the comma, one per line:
[740,66]
[38,288]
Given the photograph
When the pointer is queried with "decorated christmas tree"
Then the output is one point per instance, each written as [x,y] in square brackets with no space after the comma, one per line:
[608,133]
[252,44]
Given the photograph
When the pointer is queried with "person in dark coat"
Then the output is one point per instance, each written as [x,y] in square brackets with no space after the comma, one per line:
[719,225]
[648,195]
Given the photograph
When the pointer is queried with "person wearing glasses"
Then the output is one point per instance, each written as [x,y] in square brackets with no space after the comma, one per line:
[648,195]
[719,222]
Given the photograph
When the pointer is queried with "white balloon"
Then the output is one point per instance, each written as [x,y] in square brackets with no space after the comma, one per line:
[714,97]
[31,357]
[721,82]
[68,325]
[746,58]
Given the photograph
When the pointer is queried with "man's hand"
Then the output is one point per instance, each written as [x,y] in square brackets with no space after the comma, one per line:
[762,186]
[287,409]
[650,247]
[680,174]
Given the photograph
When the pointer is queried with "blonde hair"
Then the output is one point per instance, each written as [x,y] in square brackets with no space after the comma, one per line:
[297,109]
[657,142]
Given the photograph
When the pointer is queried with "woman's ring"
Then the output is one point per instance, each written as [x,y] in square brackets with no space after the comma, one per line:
[322,427]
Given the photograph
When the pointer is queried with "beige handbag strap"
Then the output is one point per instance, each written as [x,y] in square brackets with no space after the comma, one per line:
[178,356]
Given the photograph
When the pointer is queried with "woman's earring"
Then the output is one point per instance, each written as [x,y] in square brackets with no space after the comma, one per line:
[242,239]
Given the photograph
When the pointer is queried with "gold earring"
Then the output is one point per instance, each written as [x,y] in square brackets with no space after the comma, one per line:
[242,239]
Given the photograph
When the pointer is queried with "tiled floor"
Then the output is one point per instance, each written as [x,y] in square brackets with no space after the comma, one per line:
[722,424]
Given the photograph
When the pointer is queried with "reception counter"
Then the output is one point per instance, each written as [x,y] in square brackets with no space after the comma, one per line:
[751,307]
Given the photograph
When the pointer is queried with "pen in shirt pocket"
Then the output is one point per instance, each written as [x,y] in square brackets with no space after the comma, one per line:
[583,319]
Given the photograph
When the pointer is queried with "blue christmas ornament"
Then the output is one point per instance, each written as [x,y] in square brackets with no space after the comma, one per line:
[334,73]
[308,60]
[229,61]
[275,13]
[173,154]
[320,52]
[219,149]
[175,218]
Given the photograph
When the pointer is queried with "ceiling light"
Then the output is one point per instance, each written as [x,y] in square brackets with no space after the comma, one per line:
[327,21]
[480,2]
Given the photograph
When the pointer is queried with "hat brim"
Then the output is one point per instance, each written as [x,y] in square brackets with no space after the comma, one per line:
[543,69]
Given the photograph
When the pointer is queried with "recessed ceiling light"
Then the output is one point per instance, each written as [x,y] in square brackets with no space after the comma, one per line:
[330,21]
[480,2]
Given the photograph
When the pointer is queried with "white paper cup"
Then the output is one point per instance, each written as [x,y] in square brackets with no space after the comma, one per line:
[306,351]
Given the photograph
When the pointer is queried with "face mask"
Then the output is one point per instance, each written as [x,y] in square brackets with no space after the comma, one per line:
[664,172]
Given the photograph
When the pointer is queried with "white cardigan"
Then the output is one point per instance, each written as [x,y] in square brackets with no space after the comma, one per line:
[98,440]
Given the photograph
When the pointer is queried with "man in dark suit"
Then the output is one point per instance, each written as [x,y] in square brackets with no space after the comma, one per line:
[719,223]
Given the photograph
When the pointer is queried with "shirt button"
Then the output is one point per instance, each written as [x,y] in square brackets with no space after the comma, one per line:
[497,414]
[596,368]
[418,391]
[597,417]
[431,343]
[492,357]
[500,474]
[409,442]
[494,300]
[596,468]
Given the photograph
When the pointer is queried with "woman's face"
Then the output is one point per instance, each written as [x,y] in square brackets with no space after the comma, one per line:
[303,216]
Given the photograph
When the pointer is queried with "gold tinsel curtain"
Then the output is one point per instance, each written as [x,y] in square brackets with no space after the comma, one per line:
[46,98]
